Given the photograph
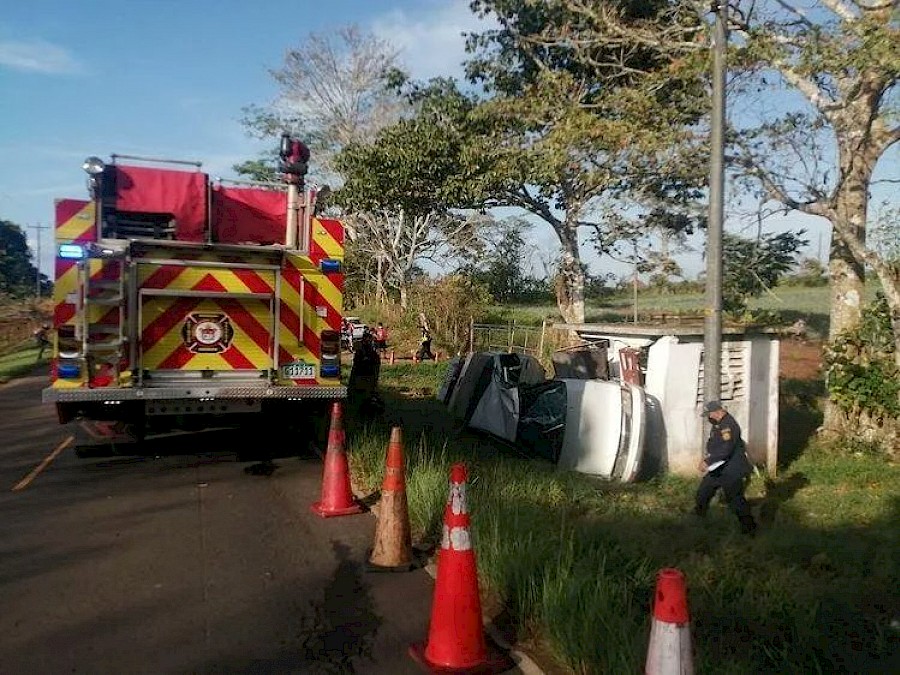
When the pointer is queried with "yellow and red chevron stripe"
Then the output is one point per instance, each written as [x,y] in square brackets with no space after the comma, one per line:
[164,348]
[311,301]
[75,219]
[74,225]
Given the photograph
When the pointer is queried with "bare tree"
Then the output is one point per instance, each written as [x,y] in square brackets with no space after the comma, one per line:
[334,90]
[398,241]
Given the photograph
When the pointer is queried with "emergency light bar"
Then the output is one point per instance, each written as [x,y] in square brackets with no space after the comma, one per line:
[71,251]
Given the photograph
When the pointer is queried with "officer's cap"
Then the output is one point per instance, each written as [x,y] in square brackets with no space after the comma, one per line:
[710,407]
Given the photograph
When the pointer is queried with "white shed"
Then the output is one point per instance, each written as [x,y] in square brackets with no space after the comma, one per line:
[672,376]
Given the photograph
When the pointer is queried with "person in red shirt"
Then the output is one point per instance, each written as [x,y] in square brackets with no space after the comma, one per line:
[380,337]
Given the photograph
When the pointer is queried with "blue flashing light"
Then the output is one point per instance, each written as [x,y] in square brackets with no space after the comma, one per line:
[68,371]
[71,251]
[330,370]
[330,266]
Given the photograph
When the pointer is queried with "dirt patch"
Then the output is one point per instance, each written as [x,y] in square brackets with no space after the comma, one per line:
[801,360]
[802,389]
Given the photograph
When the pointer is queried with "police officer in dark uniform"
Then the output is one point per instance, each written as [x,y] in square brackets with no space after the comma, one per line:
[724,465]
[362,388]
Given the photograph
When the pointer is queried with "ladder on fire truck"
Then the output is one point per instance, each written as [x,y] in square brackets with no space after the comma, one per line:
[101,308]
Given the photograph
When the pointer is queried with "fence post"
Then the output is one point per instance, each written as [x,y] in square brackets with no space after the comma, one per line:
[471,334]
[541,345]
[511,327]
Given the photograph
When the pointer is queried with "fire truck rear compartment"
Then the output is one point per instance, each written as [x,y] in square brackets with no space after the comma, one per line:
[178,298]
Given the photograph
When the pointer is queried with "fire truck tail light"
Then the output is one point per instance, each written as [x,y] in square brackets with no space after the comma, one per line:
[330,340]
[330,370]
[68,371]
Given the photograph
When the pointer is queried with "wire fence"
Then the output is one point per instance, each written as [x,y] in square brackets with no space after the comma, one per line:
[18,321]
[537,341]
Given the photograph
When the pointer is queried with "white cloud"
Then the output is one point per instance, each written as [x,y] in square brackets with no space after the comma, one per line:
[431,43]
[38,56]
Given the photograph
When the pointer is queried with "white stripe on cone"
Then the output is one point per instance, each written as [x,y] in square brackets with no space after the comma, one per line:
[670,649]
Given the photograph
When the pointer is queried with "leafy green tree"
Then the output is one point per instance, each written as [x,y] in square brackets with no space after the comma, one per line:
[816,152]
[649,240]
[833,66]
[404,190]
[753,266]
[263,169]
[501,267]
[864,378]
[17,271]
[810,272]
[573,125]
[820,156]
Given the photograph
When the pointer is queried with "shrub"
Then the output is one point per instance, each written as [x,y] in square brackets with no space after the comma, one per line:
[863,379]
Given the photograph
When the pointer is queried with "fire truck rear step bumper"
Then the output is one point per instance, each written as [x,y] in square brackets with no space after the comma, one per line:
[52,395]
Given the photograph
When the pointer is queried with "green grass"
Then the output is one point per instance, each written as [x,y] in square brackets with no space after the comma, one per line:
[19,363]
[573,559]
[792,302]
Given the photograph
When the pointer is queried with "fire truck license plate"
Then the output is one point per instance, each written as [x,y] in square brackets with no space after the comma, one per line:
[298,371]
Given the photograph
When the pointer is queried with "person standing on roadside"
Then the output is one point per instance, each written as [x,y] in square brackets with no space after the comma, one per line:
[42,338]
[380,337]
[724,465]
[425,345]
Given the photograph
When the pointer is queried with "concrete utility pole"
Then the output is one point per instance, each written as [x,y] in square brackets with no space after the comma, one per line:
[712,328]
[37,263]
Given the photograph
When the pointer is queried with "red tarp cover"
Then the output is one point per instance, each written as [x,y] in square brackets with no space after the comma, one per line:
[248,215]
[151,190]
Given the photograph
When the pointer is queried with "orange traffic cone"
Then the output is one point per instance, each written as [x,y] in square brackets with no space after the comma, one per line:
[392,551]
[456,641]
[337,497]
[669,652]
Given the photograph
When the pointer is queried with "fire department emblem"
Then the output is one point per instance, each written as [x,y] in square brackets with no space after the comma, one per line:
[207,333]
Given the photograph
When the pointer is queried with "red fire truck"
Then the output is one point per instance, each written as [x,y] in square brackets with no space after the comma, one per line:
[182,298]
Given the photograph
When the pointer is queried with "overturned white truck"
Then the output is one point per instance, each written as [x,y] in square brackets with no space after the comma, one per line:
[587,425]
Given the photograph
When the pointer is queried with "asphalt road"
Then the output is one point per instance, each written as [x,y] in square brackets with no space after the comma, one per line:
[184,563]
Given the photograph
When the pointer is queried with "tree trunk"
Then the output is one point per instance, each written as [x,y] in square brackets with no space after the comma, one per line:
[570,295]
[847,288]
[895,326]
[847,271]
[380,292]
[403,287]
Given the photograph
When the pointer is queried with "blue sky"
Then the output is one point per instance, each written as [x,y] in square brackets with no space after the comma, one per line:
[169,78]
[166,78]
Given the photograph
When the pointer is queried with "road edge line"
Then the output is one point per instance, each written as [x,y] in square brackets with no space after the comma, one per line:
[35,472]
